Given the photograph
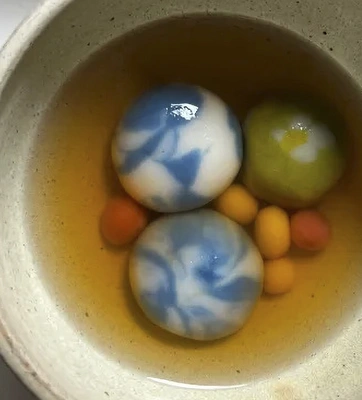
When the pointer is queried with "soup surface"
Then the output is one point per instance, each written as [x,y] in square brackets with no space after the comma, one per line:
[71,178]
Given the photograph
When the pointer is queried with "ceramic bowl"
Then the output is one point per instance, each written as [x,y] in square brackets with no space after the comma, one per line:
[310,349]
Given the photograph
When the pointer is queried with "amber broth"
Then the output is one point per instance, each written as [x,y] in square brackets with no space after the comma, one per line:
[72,178]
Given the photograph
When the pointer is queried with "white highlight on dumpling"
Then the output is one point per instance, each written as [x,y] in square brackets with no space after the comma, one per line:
[318,137]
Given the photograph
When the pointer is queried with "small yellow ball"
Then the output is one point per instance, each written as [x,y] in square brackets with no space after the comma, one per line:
[272,232]
[279,276]
[237,204]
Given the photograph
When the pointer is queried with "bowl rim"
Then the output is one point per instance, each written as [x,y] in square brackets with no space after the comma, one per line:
[10,55]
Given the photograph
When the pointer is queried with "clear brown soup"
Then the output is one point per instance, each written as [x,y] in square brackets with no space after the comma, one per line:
[72,177]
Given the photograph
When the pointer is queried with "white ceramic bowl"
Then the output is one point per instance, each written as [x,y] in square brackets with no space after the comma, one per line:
[50,354]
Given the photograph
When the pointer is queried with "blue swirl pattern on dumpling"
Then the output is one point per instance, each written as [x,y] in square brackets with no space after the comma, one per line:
[196,274]
[178,147]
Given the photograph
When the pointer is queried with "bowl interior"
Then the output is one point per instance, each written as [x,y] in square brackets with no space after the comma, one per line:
[60,176]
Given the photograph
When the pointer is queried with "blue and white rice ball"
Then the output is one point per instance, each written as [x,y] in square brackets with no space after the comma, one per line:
[196,274]
[177,148]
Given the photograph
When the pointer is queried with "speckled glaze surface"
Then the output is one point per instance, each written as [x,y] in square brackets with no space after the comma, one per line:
[197,274]
[49,354]
[177,148]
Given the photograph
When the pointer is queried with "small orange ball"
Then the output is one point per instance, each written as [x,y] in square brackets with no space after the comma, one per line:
[122,220]
[310,230]
[272,232]
[237,204]
[279,276]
